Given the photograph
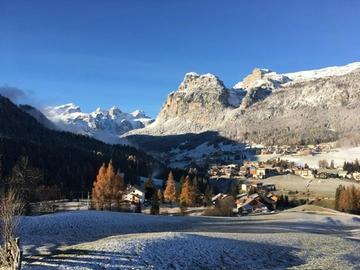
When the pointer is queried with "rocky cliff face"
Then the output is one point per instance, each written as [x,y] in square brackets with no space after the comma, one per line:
[265,107]
[199,98]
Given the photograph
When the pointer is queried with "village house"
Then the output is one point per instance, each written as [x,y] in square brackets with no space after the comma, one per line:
[134,194]
[218,197]
[257,203]
[262,173]
[244,171]
[303,172]
[356,176]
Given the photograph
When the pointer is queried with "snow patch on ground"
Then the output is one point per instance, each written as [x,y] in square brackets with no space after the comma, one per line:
[109,240]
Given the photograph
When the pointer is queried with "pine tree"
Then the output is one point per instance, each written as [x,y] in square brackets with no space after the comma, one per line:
[155,208]
[149,186]
[356,166]
[286,201]
[195,184]
[332,165]
[183,207]
[337,196]
[181,183]
[170,190]
[209,193]
[233,191]
[187,192]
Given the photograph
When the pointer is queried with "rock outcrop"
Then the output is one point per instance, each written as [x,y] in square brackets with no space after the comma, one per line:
[269,108]
[199,98]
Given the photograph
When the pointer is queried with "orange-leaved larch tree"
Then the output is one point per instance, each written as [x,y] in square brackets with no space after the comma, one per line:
[109,182]
[108,186]
[99,189]
[118,188]
[170,190]
[187,192]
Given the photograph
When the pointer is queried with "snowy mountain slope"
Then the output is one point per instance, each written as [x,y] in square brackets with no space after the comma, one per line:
[265,107]
[106,125]
[265,77]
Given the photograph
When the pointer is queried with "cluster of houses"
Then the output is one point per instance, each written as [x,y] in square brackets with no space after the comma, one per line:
[301,150]
[261,170]
[249,169]
[251,203]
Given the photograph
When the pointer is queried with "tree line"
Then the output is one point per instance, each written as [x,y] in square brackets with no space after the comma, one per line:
[68,162]
[347,199]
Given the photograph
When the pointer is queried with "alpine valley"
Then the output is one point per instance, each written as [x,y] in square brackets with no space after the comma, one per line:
[306,107]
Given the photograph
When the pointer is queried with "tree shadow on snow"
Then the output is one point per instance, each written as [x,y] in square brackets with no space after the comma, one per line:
[175,251]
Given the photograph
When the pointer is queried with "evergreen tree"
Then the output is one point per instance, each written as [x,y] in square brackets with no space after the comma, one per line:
[232,190]
[280,201]
[356,166]
[187,192]
[149,186]
[196,192]
[181,183]
[286,201]
[337,196]
[170,190]
[332,165]
[209,193]
[183,207]
[155,208]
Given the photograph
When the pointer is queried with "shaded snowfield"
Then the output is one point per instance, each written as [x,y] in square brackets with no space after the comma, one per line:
[109,240]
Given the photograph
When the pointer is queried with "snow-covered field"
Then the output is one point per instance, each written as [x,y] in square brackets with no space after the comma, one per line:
[110,240]
[338,155]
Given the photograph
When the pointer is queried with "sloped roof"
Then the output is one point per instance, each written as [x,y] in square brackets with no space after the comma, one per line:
[139,188]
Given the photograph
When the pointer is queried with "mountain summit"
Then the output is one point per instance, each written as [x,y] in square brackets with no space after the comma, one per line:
[105,125]
[265,107]
[305,107]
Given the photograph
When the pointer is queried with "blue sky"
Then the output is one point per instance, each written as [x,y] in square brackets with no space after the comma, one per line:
[133,53]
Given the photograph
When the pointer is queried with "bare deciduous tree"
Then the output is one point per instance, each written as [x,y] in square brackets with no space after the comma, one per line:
[25,178]
[11,208]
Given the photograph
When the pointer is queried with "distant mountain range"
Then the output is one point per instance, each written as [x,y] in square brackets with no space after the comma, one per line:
[265,107]
[67,160]
[104,125]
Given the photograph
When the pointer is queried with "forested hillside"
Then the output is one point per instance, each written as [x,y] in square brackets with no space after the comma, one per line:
[68,161]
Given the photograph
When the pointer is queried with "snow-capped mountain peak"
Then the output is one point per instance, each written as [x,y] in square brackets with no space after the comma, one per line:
[115,111]
[106,125]
[267,78]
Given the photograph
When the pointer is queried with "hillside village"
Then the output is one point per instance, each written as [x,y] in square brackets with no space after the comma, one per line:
[253,195]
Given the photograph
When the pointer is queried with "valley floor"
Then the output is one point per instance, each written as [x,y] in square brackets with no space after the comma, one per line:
[110,240]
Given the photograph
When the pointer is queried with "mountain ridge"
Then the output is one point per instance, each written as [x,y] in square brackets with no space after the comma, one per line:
[105,125]
[309,106]
[269,108]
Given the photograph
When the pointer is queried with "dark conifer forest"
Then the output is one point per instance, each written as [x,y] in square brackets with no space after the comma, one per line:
[69,161]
